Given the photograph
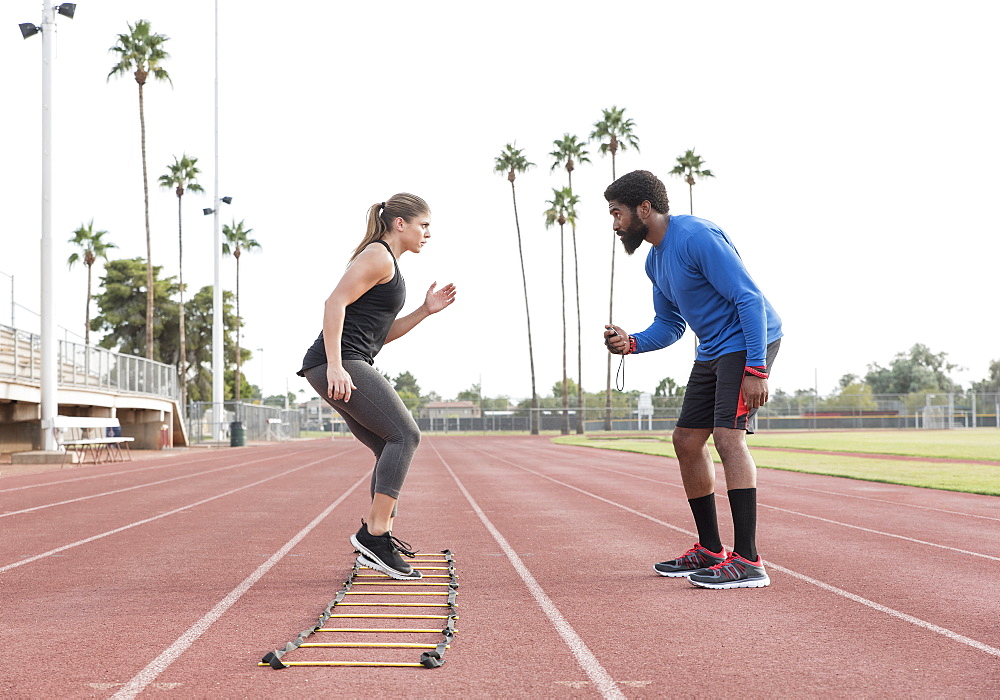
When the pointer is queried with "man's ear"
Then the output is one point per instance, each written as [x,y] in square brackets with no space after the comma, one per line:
[644,209]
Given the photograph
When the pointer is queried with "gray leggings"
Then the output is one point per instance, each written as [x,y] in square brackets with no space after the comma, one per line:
[378,418]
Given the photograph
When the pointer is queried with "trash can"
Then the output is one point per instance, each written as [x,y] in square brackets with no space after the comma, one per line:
[237,434]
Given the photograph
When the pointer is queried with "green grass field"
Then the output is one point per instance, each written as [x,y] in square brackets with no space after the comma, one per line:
[971,477]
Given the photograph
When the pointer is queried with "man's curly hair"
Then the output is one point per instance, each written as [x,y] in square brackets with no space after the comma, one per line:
[637,187]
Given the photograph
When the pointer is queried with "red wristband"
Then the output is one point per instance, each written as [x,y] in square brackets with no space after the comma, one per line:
[631,345]
[756,372]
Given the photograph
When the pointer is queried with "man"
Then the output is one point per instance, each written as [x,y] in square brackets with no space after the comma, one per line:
[699,280]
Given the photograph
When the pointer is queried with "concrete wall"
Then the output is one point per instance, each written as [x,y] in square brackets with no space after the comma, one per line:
[141,417]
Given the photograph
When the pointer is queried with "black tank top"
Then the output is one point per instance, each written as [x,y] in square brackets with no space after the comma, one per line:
[366,322]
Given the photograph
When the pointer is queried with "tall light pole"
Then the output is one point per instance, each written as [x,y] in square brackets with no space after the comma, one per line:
[11,297]
[50,343]
[261,351]
[217,335]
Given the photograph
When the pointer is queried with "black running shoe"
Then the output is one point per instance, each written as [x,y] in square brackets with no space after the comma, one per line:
[381,552]
[695,558]
[734,572]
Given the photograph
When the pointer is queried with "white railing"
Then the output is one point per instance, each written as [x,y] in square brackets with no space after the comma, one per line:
[83,366]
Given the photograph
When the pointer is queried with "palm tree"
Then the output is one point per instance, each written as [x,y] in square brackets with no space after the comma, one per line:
[568,148]
[562,208]
[181,175]
[512,161]
[93,247]
[140,52]
[689,166]
[237,240]
[618,130]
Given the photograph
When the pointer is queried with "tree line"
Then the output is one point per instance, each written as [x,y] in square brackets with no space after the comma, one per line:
[914,373]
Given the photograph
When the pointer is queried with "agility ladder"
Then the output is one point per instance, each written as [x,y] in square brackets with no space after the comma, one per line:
[428,659]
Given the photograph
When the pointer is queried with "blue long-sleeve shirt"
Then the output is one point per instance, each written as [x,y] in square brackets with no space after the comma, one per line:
[699,280]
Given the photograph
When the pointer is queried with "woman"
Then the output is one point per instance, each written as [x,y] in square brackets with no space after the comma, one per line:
[359,318]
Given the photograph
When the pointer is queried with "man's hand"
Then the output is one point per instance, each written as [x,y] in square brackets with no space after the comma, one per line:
[754,391]
[616,340]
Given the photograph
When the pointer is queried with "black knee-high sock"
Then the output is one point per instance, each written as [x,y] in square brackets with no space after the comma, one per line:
[706,521]
[743,503]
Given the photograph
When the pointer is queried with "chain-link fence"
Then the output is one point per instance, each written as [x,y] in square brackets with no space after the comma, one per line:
[842,412]
[873,411]
[251,421]
[803,412]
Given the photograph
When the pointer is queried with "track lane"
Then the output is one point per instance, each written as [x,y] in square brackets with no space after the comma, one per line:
[930,589]
[504,646]
[30,532]
[121,598]
[591,557]
[952,599]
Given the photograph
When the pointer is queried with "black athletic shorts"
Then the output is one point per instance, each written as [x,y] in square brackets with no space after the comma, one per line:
[714,394]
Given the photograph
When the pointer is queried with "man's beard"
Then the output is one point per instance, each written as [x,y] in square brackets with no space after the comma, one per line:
[634,235]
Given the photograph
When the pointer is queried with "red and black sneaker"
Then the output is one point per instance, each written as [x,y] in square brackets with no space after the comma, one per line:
[734,572]
[695,558]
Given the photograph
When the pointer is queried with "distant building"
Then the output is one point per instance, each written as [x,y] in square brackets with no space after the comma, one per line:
[319,415]
[450,409]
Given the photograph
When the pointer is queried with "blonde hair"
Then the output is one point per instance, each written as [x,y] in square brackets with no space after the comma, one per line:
[382,214]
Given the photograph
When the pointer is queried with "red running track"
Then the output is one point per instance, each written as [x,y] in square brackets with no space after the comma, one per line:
[176,574]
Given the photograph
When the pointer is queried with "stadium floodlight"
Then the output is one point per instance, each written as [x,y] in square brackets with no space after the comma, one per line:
[67,9]
[207,211]
[29,29]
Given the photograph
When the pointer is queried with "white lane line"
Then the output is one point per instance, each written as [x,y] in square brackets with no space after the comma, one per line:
[603,681]
[138,486]
[889,611]
[825,586]
[171,653]
[829,493]
[884,500]
[816,517]
[102,535]
[159,465]
[128,488]
[879,532]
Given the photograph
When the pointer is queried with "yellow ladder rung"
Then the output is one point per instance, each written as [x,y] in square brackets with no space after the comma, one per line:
[395,593]
[420,568]
[400,605]
[345,663]
[380,575]
[396,617]
[381,629]
[399,583]
[370,645]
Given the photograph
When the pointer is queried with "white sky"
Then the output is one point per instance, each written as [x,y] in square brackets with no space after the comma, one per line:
[855,146]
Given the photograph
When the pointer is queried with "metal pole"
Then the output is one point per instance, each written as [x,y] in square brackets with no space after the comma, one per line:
[49,401]
[217,331]
[11,297]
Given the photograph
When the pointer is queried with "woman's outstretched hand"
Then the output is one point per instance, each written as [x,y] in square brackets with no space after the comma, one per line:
[439,299]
